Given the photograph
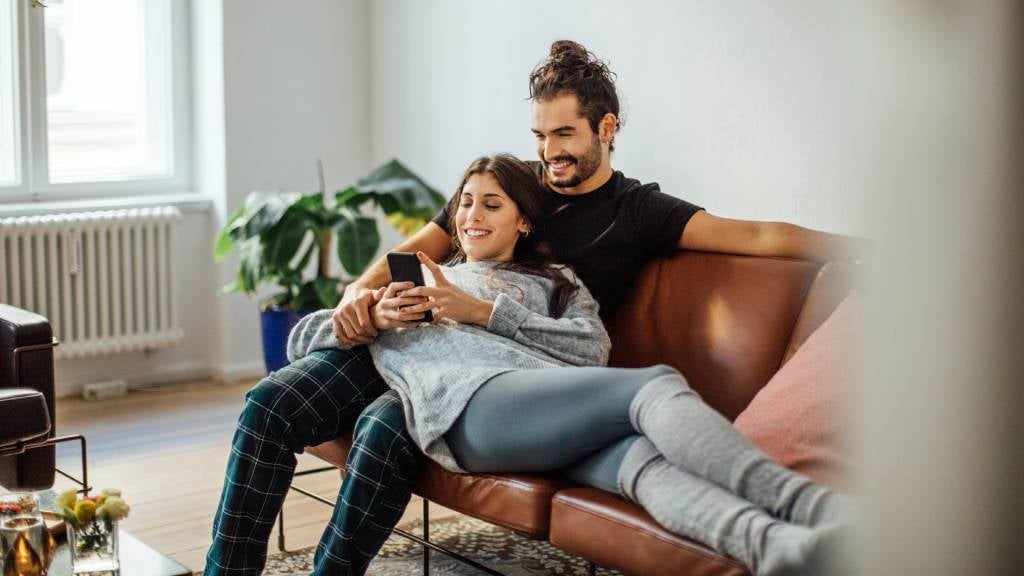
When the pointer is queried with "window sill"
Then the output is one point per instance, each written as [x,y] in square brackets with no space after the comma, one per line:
[185,201]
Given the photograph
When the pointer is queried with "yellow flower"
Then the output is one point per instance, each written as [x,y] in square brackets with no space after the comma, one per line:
[67,498]
[85,511]
[111,492]
[114,509]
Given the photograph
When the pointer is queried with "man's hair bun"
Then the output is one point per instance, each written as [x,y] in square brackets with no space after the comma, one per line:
[567,50]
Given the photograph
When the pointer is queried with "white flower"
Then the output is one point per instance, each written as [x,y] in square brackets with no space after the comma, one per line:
[114,508]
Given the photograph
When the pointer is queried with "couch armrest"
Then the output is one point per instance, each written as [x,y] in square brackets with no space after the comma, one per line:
[26,365]
[24,417]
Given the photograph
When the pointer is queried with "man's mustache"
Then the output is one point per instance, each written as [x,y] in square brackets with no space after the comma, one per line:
[561,159]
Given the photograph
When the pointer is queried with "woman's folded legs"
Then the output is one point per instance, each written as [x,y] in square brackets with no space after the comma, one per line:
[697,439]
[696,508]
[688,467]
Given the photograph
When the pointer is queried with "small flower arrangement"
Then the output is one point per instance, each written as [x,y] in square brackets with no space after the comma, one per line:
[93,519]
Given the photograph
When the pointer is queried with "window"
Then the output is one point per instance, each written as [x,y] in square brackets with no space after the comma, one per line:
[92,98]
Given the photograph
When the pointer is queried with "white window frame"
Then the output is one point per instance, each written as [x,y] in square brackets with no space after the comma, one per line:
[30,112]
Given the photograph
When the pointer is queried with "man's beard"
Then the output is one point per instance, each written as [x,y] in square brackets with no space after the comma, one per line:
[586,166]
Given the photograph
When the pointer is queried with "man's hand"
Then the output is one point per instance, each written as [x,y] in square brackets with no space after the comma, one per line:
[395,309]
[448,300]
[352,321]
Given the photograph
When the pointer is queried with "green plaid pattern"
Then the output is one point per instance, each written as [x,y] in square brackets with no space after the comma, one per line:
[313,400]
[380,473]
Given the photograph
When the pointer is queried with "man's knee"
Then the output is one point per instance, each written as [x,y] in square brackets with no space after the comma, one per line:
[311,375]
[264,396]
[383,421]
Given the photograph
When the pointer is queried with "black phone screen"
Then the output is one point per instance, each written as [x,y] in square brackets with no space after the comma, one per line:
[405,267]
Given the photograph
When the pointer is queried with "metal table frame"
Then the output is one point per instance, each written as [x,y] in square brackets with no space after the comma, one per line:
[22,447]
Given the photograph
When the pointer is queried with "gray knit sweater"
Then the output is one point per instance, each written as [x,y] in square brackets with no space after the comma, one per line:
[436,368]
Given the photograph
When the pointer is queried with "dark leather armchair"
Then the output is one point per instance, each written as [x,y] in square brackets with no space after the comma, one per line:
[26,400]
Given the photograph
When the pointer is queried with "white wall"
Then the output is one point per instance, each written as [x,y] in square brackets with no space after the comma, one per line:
[744,108]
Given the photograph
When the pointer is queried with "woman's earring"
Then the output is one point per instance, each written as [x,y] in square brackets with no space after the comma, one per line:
[526,233]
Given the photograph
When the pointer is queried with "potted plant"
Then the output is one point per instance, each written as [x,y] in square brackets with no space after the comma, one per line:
[288,238]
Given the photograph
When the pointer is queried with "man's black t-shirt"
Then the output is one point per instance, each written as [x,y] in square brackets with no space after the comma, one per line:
[607,235]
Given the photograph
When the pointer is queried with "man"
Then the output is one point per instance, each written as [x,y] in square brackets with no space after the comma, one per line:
[604,224]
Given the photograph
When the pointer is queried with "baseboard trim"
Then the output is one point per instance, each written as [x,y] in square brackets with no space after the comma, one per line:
[233,373]
[185,372]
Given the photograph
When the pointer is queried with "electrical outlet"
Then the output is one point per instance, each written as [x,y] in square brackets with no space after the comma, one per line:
[104,390]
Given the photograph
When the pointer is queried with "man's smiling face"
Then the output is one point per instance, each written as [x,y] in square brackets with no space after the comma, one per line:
[569,149]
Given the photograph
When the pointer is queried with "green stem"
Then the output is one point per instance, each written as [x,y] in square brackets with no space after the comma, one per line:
[324,241]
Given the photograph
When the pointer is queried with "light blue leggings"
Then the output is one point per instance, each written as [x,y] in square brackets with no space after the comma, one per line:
[575,419]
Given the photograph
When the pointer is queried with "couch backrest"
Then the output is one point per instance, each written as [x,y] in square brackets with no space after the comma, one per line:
[724,321]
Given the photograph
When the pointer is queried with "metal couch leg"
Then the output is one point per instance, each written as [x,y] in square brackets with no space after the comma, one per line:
[280,529]
[426,537]
[592,569]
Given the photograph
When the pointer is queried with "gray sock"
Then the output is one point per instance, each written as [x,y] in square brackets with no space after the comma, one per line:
[695,438]
[697,509]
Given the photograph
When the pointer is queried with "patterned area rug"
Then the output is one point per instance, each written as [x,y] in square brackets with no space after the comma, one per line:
[493,546]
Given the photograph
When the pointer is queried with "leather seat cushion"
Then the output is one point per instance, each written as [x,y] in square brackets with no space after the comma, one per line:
[520,502]
[617,534]
[23,416]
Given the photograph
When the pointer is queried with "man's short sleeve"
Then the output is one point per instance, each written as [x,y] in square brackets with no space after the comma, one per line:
[442,219]
[661,219]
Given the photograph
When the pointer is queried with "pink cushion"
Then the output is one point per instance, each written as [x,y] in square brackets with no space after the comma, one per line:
[801,416]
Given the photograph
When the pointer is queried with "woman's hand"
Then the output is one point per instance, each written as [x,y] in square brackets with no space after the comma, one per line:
[448,300]
[394,307]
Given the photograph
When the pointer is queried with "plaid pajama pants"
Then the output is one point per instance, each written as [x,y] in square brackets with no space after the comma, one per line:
[316,399]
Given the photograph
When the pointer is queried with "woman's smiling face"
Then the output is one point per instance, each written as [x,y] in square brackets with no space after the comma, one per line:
[487,220]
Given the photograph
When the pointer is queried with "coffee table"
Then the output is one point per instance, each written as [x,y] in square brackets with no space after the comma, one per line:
[137,559]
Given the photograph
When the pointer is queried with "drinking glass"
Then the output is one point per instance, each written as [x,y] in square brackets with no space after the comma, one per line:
[26,546]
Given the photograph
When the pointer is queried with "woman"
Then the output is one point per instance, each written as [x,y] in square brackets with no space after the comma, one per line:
[486,388]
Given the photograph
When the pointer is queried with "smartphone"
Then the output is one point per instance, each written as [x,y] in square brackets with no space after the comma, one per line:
[405,267]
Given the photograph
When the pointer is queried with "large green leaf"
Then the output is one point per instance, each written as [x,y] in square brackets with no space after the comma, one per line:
[317,294]
[249,272]
[306,256]
[311,208]
[224,243]
[282,242]
[358,240]
[263,210]
[394,188]
[328,292]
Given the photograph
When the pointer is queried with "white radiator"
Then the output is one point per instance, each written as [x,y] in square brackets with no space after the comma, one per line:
[104,279]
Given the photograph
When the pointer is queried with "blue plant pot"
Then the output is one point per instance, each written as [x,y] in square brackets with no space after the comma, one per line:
[276,324]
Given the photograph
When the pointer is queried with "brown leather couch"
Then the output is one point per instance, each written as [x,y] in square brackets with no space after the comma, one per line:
[727,323]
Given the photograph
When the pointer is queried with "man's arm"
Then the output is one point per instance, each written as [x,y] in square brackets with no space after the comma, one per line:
[352,322]
[752,238]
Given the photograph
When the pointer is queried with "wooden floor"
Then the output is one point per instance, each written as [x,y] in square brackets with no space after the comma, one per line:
[166,449]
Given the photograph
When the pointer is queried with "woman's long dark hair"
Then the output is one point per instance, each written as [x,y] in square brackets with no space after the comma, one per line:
[530,256]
